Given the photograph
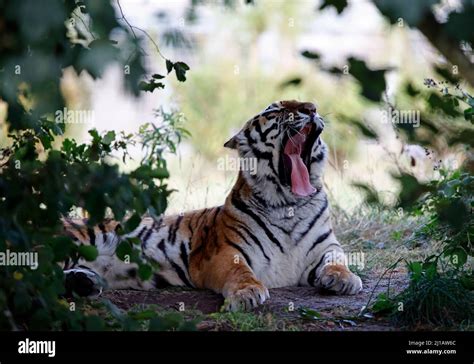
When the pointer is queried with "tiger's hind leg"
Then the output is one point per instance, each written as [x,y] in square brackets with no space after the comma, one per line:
[107,271]
[83,281]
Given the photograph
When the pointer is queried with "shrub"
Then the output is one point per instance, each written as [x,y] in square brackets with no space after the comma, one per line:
[41,182]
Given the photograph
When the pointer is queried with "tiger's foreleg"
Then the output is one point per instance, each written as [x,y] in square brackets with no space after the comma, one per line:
[229,273]
[331,273]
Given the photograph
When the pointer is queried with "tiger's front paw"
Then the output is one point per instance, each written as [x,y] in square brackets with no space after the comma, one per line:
[339,279]
[246,298]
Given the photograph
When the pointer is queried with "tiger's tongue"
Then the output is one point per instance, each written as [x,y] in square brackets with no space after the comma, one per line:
[299,173]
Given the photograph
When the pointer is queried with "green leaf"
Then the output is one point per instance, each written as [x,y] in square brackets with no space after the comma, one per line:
[447,104]
[108,138]
[415,269]
[62,247]
[145,172]
[383,304]
[469,114]
[150,86]
[145,272]
[133,222]
[94,60]
[180,69]
[169,65]
[89,252]
[124,250]
[160,173]
[457,256]
[430,268]
[95,135]
[372,82]
[135,240]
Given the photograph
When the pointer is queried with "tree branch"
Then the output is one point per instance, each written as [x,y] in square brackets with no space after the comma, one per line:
[448,46]
[132,27]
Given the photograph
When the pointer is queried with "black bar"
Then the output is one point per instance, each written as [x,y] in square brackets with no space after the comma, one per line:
[88,345]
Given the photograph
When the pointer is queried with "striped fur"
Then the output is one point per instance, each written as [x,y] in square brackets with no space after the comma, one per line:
[264,236]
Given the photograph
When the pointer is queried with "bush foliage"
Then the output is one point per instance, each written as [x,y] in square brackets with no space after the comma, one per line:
[43,180]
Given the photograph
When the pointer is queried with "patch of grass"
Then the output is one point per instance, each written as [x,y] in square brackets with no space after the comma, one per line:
[382,235]
[248,321]
[435,301]
[361,272]
[309,314]
[150,317]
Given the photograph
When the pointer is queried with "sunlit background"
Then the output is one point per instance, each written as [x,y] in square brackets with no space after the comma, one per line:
[242,58]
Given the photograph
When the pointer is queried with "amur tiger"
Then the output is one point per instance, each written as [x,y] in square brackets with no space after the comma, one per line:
[274,229]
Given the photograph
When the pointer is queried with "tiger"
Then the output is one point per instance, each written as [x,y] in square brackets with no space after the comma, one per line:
[273,230]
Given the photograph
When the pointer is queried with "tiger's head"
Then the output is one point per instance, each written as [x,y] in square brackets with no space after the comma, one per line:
[284,141]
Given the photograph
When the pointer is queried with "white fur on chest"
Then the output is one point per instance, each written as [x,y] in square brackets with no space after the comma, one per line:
[286,269]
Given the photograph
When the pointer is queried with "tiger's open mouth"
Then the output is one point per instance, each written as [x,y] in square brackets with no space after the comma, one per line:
[295,159]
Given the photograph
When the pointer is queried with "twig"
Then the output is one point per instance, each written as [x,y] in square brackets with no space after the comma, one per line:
[448,46]
[377,284]
[151,39]
[132,27]
[125,19]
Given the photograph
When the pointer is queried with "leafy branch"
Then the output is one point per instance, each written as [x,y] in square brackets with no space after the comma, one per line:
[180,67]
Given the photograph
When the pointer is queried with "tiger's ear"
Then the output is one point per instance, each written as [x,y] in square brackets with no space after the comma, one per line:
[231,143]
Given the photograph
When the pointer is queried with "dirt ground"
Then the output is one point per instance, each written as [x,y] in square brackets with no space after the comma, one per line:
[289,308]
